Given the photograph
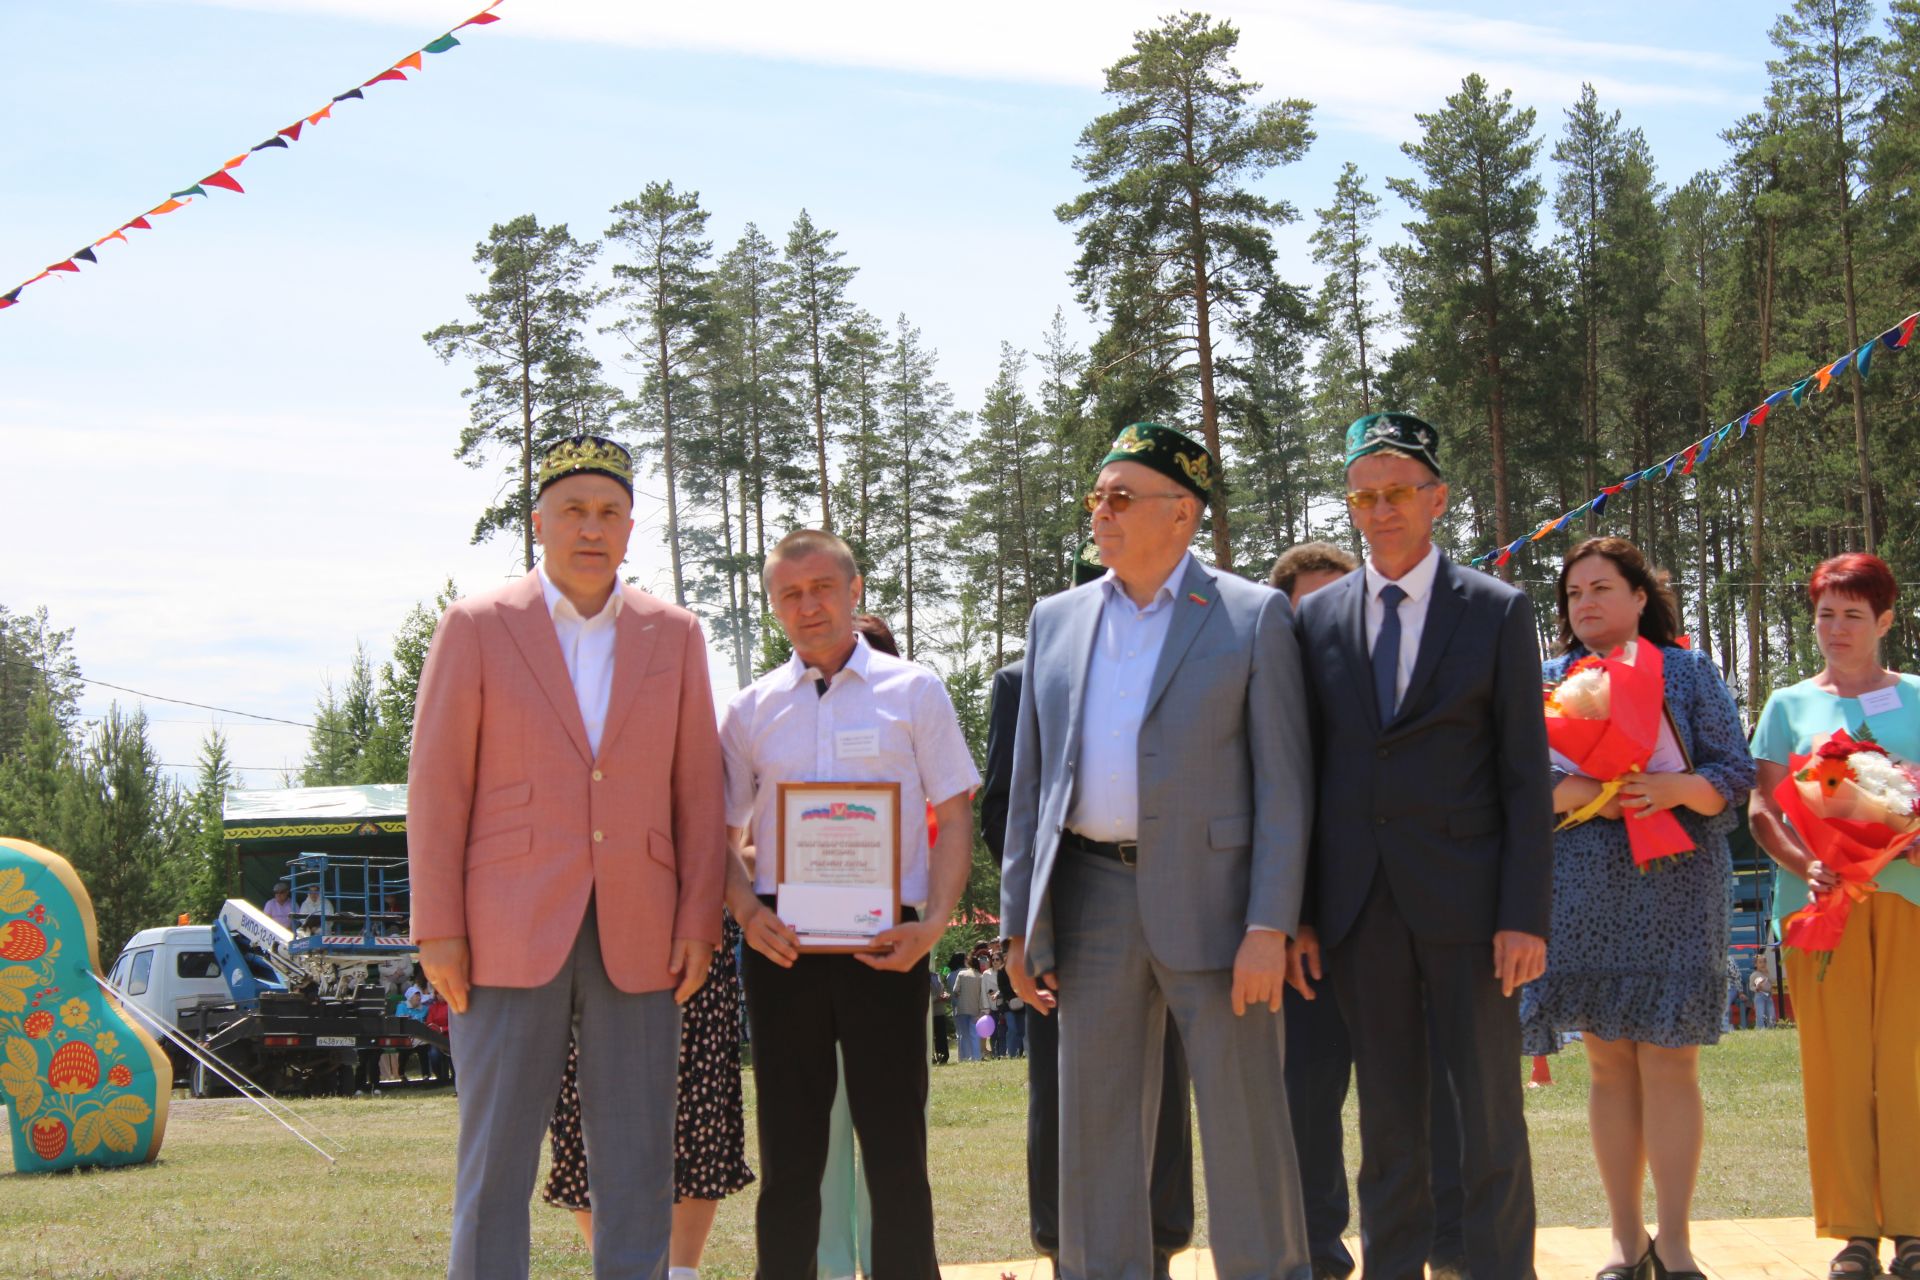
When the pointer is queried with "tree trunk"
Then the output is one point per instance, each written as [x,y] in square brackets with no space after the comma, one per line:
[1203,333]
[1757,521]
[819,409]
[665,375]
[1853,311]
[526,429]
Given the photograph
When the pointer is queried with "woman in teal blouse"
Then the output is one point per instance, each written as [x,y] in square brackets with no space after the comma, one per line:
[1860,1019]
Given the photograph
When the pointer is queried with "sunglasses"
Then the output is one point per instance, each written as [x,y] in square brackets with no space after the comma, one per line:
[1396,495]
[1120,499]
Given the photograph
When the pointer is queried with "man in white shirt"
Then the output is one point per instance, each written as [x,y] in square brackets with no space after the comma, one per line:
[840,711]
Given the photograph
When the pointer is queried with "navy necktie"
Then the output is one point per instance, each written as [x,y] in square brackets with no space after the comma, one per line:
[1386,652]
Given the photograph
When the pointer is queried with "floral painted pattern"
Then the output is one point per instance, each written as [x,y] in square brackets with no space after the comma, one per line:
[73,1095]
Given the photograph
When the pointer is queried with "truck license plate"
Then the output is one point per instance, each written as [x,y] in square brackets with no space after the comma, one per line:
[335,1042]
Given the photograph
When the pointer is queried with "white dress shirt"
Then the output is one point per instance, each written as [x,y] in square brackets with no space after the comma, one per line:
[1126,649]
[882,719]
[1417,582]
[587,645]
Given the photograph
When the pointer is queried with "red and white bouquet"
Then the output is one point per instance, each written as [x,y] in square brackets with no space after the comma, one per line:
[1607,717]
[1857,808]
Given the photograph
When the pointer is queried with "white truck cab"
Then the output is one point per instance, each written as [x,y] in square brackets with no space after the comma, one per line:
[167,970]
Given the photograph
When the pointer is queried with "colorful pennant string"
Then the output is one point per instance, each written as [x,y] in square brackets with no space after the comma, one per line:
[1898,338]
[224,180]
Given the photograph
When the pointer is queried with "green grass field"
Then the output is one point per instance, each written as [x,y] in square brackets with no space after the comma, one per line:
[234,1196]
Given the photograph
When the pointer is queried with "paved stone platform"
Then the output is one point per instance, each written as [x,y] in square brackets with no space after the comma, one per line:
[1745,1249]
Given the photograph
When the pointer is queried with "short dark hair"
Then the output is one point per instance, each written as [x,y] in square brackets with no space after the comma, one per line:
[1659,621]
[879,635]
[807,542]
[1309,557]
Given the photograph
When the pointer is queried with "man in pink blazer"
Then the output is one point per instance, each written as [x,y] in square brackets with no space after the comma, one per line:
[567,845]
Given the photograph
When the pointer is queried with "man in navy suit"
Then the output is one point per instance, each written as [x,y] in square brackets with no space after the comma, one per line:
[1431,872]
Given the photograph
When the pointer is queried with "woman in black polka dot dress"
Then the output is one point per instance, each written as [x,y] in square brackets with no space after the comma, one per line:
[709,1129]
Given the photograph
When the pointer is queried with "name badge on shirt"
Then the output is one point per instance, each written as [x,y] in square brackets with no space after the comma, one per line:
[856,744]
[1880,701]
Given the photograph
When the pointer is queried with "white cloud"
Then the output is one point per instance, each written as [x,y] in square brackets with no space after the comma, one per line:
[1367,65]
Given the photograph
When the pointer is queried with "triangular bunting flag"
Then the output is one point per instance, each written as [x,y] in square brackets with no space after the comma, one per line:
[195,190]
[441,45]
[165,206]
[275,141]
[224,180]
[1822,377]
[1906,332]
[1541,532]
[322,114]
[86,255]
[64,266]
[411,60]
[138,224]
[384,75]
[1862,358]
[1630,481]
[1671,463]
[1706,449]
[478,20]
[292,132]
[115,234]
[235,163]
[1506,554]
[1757,418]
[351,93]
[1599,504]
[1798,392]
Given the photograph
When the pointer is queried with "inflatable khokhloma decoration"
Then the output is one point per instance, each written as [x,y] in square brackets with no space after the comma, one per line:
[85,1086]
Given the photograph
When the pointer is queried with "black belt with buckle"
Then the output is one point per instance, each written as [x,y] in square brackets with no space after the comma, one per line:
[1124,852]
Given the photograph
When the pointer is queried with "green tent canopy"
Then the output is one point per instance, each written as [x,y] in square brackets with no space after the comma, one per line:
[267,829]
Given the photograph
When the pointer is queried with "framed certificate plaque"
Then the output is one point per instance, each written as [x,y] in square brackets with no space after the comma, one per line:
[838,881]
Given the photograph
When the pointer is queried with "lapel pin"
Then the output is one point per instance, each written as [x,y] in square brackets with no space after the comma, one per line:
[1196,597]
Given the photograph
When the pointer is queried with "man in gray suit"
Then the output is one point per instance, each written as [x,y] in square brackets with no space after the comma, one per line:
[1155,849]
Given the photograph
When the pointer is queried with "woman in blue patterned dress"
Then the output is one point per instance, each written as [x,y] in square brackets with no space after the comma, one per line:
[1637,961]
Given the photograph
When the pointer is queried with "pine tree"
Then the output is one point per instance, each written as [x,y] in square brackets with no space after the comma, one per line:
[1173,240]
[1589,156]
[1826,78]
[1344,312]
[917,431]
[124,810]
[664,294]
[35,658]
[818,284]
[1464,278]
[534,380]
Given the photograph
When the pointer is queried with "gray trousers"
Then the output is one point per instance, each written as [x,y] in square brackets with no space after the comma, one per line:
[510,1047]
[1115,999]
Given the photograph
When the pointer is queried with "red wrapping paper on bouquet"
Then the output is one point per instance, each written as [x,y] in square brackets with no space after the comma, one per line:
[1623,741]
[1856,849]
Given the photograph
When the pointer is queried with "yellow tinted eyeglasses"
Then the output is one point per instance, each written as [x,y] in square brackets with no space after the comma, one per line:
[1396,495]
[1120,499]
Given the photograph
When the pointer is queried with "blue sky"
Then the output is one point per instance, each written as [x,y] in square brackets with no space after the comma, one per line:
[225,453]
